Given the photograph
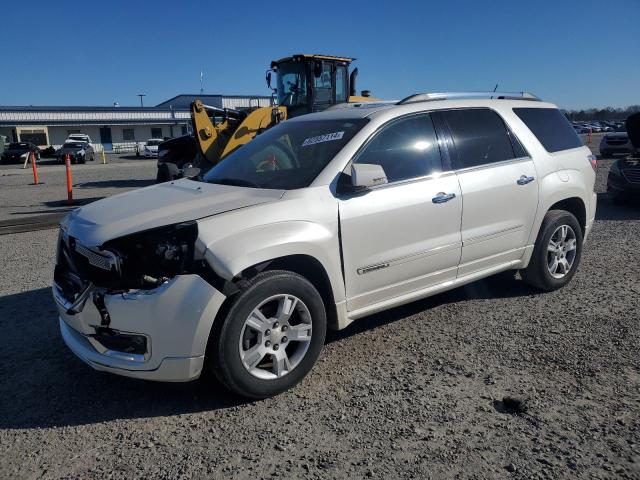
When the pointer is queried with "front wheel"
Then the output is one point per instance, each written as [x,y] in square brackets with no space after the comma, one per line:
[271,336]
[557,252]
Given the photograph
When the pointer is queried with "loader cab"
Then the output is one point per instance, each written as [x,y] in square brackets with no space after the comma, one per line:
[310,83]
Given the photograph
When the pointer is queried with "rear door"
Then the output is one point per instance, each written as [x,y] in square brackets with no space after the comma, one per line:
[499,188]
[403,236]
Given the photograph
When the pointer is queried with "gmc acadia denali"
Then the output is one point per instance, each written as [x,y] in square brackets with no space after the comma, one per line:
[320,221]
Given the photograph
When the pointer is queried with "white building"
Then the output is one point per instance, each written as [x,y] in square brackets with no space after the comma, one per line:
[111,128]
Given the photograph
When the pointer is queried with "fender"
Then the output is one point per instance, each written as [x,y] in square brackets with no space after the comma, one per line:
[230,255]
[553,189]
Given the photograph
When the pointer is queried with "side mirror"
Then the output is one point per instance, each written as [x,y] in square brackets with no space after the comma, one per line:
[365,175]
[268,78]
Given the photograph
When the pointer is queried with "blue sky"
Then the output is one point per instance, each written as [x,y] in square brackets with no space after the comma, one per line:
[574,53]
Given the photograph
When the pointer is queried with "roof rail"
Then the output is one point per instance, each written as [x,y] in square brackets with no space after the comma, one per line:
[427,97]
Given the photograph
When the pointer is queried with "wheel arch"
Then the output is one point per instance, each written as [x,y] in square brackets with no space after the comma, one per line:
[575,206]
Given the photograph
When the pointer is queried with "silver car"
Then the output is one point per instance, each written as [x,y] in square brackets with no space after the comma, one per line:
[318,222]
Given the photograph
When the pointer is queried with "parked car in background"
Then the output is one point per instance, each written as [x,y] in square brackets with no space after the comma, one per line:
[615,143]
[79,137]
[150,148]
[17,152]
[79,152]
[580,129]
[624,174]
[319,221]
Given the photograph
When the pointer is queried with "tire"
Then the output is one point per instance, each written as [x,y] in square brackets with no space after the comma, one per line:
[267,291]
[538,274]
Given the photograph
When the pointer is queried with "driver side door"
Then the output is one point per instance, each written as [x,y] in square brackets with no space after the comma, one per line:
[405,235]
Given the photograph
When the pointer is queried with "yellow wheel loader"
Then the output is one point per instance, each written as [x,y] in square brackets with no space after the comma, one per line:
[305,84]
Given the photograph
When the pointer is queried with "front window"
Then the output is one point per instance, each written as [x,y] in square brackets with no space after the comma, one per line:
[288,156]
[154,142]
[18,146]
[292,84]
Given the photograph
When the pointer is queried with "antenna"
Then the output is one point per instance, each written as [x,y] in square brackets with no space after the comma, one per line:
[201,80]
[495,88]
[141,95]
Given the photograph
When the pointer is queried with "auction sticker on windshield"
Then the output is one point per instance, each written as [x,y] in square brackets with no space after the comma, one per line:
[327,137]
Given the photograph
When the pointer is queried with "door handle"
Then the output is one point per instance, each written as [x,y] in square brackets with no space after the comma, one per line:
[523,180]
[443,197]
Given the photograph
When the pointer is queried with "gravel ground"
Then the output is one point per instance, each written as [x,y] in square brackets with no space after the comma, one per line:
[415,392]
[91,181]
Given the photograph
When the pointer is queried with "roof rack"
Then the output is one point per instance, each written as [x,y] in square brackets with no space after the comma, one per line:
[427,97]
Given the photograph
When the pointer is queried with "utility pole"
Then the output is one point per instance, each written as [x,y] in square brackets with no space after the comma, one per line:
[201,80]
[141,95]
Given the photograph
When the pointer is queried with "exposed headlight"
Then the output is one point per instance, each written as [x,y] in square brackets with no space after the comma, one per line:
[149,258]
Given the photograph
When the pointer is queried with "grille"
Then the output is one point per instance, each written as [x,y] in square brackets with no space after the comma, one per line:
[632,175]
[95,259]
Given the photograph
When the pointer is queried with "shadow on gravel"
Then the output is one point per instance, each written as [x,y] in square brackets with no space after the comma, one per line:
[503,285]
[126,183]
[625,209]
[77,202]
[42,384]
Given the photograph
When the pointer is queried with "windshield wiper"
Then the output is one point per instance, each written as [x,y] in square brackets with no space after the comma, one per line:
[236,182]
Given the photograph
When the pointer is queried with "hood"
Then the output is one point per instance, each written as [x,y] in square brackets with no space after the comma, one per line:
[617,135]
[159,205]
[70,149]
[15,151]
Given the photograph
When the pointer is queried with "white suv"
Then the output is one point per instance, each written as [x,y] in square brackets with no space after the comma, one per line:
[319,221]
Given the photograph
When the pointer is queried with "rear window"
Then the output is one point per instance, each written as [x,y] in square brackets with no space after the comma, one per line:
[480,137]
[550,127]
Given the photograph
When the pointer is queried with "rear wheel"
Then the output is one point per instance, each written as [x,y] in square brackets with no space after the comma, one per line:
[270,337]
[557,252]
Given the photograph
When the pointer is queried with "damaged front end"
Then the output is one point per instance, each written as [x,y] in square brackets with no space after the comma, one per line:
[116,299]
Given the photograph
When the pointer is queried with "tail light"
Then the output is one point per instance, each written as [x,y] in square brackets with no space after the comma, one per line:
[593,161]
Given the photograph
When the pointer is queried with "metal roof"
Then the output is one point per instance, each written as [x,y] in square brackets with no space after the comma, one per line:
[174,110]
[300,56]
[10,116]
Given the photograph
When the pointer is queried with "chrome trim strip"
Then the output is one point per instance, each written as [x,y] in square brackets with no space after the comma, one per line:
[409,258]
[495,164]
[490,236]
[433,176]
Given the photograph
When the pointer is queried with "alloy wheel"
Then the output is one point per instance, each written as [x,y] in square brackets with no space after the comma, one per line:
[275,337]
[561,251]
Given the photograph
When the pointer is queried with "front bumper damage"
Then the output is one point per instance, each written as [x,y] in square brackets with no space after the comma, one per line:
[174,319]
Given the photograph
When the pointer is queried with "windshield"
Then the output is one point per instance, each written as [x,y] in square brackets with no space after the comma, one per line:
[18,146]
[73,145]
[153,142]
[292,84]
[288,156]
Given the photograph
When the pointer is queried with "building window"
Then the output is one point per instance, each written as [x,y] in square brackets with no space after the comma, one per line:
[71,132]
[156,132]
[128,135]
[183,128]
